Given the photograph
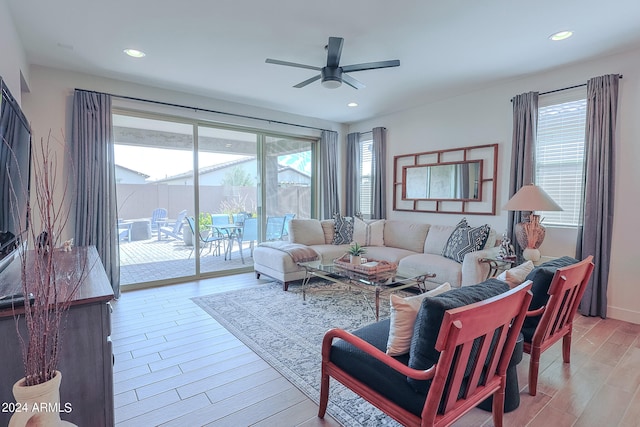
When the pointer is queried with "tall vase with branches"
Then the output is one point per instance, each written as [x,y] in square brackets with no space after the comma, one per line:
[52,290]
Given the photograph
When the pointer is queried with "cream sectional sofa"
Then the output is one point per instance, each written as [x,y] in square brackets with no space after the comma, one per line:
[415,247]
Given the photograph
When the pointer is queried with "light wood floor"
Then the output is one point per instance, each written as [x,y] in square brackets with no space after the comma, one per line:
[176,366]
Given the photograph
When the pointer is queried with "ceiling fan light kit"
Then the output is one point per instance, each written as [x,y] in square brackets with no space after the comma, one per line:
[331,78]
[333,75]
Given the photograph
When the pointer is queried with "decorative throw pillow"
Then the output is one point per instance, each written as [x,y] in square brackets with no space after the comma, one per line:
[403,317]
[343,227]
[516,275]
[368,232]
[464,240]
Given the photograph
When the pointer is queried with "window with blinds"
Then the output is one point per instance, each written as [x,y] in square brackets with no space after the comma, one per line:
[365,177]
[559,155]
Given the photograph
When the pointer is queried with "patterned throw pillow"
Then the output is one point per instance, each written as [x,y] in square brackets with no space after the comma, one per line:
[343,226]
[464,240]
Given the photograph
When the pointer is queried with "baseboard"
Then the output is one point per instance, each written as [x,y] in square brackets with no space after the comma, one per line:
[623,314]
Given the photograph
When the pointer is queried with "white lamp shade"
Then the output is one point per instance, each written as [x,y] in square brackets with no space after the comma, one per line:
[531,198]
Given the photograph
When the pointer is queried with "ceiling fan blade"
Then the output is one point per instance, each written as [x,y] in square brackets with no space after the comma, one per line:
[334,51]
[356,84]
[371,66]
[291,64]
[306,82]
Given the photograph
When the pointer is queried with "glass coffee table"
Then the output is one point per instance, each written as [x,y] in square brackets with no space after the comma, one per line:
[385,281]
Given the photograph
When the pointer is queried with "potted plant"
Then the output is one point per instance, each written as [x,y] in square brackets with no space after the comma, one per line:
[355,253]
[50,293]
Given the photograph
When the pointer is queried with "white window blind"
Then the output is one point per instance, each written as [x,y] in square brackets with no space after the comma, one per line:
[365,177]
[559,154]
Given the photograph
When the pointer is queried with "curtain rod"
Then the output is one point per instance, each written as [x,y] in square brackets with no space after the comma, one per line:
[169,104]
[564,88]
[369,131]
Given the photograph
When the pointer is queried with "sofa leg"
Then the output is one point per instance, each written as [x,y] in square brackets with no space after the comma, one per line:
[285,286]
[257,275]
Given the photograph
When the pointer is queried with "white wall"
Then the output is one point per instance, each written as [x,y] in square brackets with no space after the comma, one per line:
[13,63]
[485,117]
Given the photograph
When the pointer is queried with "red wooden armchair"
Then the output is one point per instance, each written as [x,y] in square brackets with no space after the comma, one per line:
[565,292]
[475,344]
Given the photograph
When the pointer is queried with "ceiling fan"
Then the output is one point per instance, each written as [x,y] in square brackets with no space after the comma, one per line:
[333,75]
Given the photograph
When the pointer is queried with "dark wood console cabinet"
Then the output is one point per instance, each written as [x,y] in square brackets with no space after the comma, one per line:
[86,360]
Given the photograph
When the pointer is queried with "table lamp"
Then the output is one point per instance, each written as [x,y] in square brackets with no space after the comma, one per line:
[530,233]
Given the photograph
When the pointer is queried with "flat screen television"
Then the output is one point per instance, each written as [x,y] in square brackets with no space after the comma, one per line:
[15,173]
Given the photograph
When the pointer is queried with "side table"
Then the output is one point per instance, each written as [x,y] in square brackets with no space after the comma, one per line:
[497,265]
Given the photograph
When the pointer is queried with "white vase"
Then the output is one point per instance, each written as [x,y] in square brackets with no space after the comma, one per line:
[355,259]
[39,405]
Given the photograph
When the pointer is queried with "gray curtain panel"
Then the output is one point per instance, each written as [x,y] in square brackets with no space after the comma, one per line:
[96,213]
[378,172]
[594,237]
[525,125]
[329,173]
[352,190]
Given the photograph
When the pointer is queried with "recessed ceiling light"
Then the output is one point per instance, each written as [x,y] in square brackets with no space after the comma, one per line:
[560,35]
[135,53]
[352,104]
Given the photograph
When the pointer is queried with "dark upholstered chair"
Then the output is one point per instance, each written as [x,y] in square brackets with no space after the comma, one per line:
[471,344]
[558,287]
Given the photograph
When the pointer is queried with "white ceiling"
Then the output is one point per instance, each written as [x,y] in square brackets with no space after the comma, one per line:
[217,48]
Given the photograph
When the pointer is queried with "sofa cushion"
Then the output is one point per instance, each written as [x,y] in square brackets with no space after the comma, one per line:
[437,238]
[375,374]
[384,253]
[541,277]
[343,229]
[306,232]
[423,354]
[328,253]
[405,235]
[465,239]
[368,233]
[328,228]
[445,269]
[516,275]
[403,317]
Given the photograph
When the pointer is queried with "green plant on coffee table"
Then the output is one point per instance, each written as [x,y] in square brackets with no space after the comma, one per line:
[356,250]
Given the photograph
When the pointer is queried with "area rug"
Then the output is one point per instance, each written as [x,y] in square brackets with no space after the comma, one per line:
[286,331]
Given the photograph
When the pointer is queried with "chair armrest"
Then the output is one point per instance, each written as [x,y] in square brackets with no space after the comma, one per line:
[373,352]
[536,312]
[474,271]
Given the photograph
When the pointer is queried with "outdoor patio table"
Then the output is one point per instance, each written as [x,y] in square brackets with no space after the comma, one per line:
[234,232]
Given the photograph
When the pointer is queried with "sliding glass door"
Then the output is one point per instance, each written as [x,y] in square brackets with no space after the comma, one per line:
[174,223]
[155,193]
[227,195]
[288,172]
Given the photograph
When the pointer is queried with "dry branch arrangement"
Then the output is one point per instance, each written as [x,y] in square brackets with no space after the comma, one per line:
[52,290]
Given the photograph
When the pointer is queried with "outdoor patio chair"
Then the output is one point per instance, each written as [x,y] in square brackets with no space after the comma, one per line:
[285,227]
[173,230]
[239,218]
[250,232]
[220,219]
[275,225]
[158,218]
[206,238]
